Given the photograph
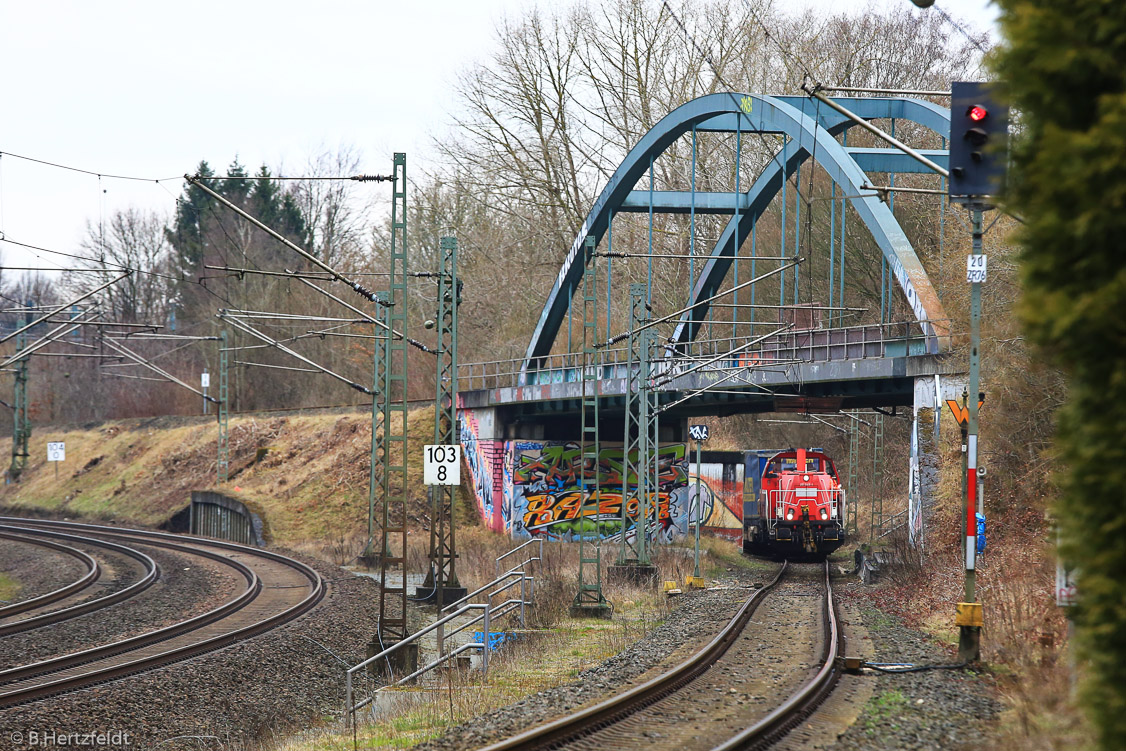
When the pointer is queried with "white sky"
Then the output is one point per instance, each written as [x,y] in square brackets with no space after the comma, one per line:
[150,88]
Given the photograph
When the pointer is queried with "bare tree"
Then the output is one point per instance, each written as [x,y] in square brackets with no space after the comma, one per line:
[131,239]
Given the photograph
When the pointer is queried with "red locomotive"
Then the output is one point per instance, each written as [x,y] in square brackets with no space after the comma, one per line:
[798,506]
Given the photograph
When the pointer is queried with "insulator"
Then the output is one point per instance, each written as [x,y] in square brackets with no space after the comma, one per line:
[371,178]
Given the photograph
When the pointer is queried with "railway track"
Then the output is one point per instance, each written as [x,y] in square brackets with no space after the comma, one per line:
[692,693]
[150,573]
[277,589]
[93,573]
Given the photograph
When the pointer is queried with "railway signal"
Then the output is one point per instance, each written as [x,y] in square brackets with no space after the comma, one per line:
[979,136]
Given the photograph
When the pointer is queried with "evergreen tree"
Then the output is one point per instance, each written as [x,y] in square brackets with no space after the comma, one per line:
[1064,66]
[186,234]
[236,186]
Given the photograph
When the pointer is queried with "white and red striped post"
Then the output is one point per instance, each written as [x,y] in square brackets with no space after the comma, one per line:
[969,638]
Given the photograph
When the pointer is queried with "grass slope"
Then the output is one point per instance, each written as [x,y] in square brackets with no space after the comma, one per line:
[308,474]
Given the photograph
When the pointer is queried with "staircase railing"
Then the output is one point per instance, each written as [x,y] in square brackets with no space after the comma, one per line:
[490,613]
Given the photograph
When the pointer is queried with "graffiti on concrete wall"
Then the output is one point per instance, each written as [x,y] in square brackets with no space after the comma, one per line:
[551,481]
[478,462]
[536,488]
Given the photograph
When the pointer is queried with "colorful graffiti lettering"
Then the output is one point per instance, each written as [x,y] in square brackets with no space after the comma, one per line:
[550,481]
[542,485]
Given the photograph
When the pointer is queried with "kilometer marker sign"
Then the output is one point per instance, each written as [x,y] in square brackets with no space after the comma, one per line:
[441,465]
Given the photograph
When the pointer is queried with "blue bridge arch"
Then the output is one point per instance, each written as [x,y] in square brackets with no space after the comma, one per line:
[810,132]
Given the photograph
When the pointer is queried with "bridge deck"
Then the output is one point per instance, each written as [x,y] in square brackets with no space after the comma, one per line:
[811,370]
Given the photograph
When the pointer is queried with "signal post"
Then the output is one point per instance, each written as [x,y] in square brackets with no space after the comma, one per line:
[978,151]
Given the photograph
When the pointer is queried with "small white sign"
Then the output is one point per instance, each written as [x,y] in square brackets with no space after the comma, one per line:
[1066,592]
[976,268]
[56,451]
[205,380]
[441,465]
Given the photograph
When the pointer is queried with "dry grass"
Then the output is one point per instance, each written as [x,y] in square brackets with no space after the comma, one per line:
[551,656]
[1024,642]
[307,473]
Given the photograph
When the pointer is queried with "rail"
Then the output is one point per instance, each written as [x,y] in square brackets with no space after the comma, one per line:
[803,345]
[800,704]
[121,668]
[93,571]
[152,573]
[616,708]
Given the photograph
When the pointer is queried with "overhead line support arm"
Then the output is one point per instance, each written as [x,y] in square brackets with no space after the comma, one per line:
[336,275]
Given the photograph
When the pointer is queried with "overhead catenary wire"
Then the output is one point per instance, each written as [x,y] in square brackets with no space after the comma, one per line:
[135,178]
[369,319]
[130,354]
[336,275]
[275,367]
[293,274]
[248,329]
[64,306]
[625,334]
[51,336]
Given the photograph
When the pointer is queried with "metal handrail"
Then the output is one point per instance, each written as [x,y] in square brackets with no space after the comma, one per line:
[479,590]
[394,647]
[444,658]
[553,368]
[518,548]
[500,611]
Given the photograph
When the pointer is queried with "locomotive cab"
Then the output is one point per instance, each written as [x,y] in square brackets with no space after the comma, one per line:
[800,505]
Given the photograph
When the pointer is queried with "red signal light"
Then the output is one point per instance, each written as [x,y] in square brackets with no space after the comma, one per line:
[977,113]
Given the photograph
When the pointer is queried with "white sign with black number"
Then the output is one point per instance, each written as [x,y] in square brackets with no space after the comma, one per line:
[976,269]
[698,432]
[56,451]
[205,380]
[441,465]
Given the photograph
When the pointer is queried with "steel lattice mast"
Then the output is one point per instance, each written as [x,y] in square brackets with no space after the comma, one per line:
[21,425]
[639,441]
[442,574]
[589,598]
[391,395]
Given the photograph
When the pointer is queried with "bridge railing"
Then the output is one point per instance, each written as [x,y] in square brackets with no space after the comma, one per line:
[875,340]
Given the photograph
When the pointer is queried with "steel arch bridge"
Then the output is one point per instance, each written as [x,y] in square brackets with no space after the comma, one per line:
[810,132]
[544,396]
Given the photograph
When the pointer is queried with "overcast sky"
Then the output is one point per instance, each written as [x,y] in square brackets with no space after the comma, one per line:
[150,88]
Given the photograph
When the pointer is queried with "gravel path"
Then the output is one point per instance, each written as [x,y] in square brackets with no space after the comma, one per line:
[39,570]
[697,617]
[275,683]
[934,709]
[187,586]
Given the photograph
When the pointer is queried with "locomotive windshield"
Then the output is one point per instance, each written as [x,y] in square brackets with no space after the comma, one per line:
[790,463]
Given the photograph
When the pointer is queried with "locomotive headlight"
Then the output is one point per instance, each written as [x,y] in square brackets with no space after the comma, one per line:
[805,478]
[789,515]
[824,514]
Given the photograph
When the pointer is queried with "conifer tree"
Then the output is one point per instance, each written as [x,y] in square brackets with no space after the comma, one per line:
[1064,64]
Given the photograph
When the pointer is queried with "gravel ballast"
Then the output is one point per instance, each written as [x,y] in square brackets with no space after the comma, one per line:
[37,569]
[253,691]
[696,618]
[188,585]
[932,709]
[936,709]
